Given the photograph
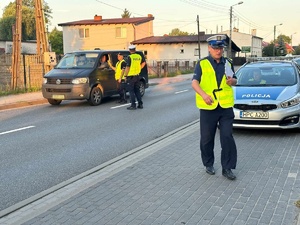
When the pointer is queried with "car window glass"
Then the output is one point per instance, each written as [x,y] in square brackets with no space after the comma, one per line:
[275,75]
[77,60]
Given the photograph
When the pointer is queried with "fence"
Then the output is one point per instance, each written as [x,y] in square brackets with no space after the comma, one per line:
[165,68]
[30,76]
[32,70]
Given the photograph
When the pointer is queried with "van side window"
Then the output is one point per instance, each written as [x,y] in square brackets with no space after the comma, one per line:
[103,62]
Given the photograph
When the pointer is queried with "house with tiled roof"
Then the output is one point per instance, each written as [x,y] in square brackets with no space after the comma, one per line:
[178,48]
[116,33]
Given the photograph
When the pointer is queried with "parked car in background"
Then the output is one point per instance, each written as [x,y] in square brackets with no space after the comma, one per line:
[273,100]
[297,60]
[82,75]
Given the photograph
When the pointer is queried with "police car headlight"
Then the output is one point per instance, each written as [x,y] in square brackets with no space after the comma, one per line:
[81,80]
[291,102]
[45,80]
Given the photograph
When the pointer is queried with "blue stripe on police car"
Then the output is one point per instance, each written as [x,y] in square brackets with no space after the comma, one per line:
[270,93]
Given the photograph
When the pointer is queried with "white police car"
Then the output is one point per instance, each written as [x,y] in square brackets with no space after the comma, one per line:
[267,95]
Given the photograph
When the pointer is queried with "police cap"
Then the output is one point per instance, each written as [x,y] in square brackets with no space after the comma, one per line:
[217,41]
[131,47]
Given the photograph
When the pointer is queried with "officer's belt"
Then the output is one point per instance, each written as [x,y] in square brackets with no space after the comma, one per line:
[216,90]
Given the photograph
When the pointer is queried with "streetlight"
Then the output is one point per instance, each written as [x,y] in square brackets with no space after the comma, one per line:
[292,38]
[230,34]
[274,37]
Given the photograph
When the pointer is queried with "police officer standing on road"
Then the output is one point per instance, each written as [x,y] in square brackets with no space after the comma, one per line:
[135,64]
[119,76]
[212,81]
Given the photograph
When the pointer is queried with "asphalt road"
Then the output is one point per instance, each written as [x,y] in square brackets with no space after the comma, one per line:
[42,146]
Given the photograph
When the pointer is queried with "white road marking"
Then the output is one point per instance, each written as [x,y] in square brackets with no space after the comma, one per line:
[119,106]
[178,92]
[15,130]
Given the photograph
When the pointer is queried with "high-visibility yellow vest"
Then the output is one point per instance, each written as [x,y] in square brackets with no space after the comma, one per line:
[222,95]
[118,73]
[135,65]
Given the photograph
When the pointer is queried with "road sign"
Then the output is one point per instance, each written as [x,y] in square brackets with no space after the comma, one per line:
[246,49]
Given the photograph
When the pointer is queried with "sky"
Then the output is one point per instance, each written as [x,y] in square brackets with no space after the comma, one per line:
[214,15]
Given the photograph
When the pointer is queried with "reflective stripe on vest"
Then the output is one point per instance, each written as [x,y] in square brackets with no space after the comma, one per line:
[135,65]
[119,69]
[222,95]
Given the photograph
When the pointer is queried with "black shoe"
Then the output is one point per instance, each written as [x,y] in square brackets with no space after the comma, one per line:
[210,170]
[131,108]
[140,106]
[228,174]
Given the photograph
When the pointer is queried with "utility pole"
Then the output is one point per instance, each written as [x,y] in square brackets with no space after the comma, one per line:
[41,33]
[199,51]
[229,52]
[17,38]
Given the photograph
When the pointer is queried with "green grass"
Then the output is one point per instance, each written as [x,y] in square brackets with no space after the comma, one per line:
[7,91]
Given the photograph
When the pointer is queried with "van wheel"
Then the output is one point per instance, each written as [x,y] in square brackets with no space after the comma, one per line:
[142,88]
[95,97]
[53,101]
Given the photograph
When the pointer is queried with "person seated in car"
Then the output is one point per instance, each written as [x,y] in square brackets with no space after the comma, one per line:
[256,78]
[103,62]
[81,60]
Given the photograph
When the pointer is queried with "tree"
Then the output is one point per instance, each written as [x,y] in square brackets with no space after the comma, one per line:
[126,14]
[284,38]
[268,50]
[28,19]
[56,41]
[177,32]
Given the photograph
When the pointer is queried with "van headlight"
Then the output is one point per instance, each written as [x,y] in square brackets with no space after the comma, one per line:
[81,80]
[292,102]
[45,80]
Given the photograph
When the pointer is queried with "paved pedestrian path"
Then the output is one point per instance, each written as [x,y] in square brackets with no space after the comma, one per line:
[164,182]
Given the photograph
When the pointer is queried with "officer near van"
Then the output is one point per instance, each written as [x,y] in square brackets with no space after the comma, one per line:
[119,76]
[135,63]
[212,81]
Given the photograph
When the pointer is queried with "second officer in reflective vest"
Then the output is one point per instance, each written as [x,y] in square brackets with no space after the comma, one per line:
[135,64]
[212,81]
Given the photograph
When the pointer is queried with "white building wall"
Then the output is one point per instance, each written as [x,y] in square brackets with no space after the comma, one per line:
[26,47]
[173,52]
[242,39]
[103,36]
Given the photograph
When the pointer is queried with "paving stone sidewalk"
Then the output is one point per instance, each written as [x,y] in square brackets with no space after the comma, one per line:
[165,183]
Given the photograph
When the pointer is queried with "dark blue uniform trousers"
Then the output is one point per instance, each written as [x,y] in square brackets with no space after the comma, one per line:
[134,89]
[209,120]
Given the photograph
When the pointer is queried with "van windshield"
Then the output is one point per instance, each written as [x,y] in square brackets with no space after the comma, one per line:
[78,60]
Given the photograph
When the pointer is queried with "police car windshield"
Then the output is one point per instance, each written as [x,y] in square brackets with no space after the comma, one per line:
[78,60]
[272,75]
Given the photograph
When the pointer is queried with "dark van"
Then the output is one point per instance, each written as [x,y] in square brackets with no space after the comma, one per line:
[81,76]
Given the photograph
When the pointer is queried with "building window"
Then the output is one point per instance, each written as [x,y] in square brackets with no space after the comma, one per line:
[181,51]
[84,32]
[121,32]
[196,52]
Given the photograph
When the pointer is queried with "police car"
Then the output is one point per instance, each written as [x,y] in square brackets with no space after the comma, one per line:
[267,95]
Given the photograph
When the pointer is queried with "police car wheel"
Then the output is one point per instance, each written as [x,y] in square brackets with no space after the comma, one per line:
[95,97]
[142,88]
[54,101]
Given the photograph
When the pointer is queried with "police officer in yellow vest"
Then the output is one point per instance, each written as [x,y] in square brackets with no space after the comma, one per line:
[119,76]
[212,81]
[135,63]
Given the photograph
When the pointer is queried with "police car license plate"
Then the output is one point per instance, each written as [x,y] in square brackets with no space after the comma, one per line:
[254,115]
[58,97]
